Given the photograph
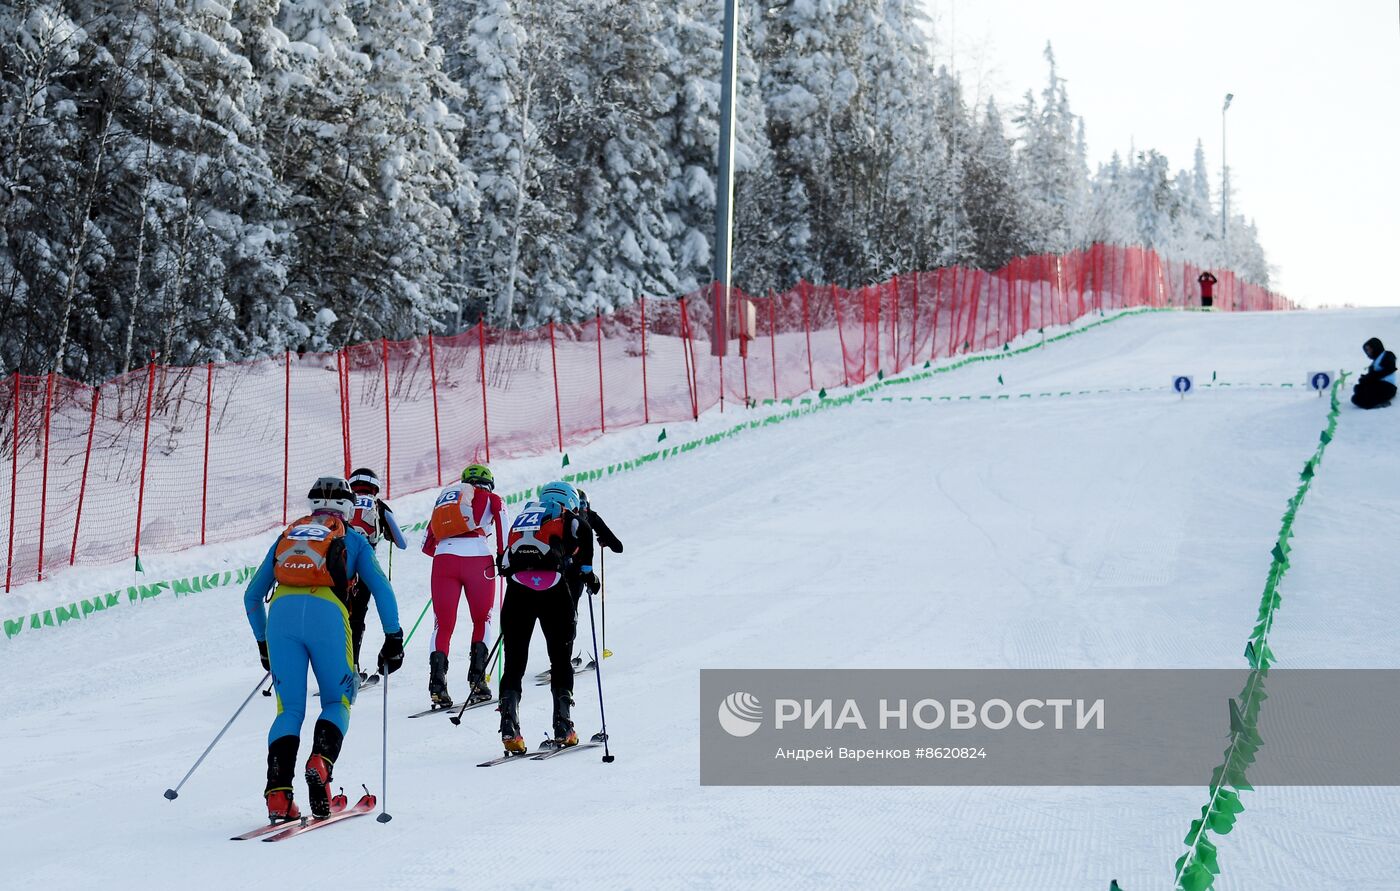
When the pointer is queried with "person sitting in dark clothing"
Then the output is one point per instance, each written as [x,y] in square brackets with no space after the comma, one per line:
[1376,387]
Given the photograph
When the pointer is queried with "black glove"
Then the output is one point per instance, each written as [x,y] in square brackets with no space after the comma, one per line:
[501,565]
[262,655]
[590,581]
[391,654]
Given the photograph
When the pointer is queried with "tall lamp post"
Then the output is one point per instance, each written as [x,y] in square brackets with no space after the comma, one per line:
[1224,181]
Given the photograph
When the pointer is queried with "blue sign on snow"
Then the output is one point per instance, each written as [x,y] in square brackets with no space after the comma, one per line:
[1320,380]
[1182,384]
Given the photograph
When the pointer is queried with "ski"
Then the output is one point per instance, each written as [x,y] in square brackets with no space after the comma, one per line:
[366,804]
[518,756]
[552,751]
[544,681]
[457,718]
[436,710]
[338,804]
[544,675]
[365,684]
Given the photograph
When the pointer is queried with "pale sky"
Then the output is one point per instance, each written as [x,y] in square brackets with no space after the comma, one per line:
[1313,130]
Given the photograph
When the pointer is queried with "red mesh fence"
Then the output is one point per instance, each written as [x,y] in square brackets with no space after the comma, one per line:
[166,458]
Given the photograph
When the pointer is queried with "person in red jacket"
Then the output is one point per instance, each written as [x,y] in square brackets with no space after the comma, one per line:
[1207,282]
[459,541]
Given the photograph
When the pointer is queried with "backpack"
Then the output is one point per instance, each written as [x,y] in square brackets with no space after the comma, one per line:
[537,538]
[451,517]
[305,551]
[366,518]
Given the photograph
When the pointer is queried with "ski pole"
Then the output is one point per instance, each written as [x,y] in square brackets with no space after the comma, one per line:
[457,718]
[384,748]
[603,598]
[598,672]
[172,794]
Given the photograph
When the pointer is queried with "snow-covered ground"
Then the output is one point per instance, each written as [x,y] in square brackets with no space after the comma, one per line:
[1119,529]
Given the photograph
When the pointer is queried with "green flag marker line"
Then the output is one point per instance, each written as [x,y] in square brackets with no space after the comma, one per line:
[59,616]
[1197,868]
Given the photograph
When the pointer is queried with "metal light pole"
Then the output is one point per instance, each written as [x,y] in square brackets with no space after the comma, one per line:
[1224,182]
[724,200]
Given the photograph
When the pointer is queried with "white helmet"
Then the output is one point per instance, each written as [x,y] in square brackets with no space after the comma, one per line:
[332,493]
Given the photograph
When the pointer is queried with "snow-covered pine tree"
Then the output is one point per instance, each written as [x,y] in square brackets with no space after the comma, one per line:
[615,157]
[1053,167]
[992,194]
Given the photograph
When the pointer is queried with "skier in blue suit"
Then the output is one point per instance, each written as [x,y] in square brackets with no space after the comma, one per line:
[306,573]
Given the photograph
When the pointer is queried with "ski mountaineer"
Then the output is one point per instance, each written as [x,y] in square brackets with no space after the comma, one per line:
[549,539]
[304,578]
[373,519]
[459,541]
[1376,387]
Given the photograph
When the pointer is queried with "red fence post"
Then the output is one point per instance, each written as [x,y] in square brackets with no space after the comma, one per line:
[342,371]
[840,339]
[773,338]
[485,414]
[602,414]
[286,434]
[803,288]
[44,487]
[933,327]
[692,380]
[894,320]
[646,405]
[82,487]
[914,324]
[388,437]
[554,364]
[14,483]
[432,382]
[145,451]
[204,487]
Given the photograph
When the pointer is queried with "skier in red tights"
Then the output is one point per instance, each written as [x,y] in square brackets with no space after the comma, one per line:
[464,553]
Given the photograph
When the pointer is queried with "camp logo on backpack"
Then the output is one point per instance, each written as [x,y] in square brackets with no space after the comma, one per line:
[304,550]
[536,538]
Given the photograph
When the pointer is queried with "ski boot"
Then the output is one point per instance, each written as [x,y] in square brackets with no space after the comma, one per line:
[324,750]
[437,680]
[281,762]
[509,708]
[476,675]
[564,735]
[280,807]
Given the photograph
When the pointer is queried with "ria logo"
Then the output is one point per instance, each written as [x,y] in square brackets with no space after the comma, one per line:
[740,714]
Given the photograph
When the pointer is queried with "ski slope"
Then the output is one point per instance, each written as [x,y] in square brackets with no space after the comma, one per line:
[1122,529]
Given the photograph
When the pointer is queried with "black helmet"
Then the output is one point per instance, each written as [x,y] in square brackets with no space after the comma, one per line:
[1374,344]
[365,477]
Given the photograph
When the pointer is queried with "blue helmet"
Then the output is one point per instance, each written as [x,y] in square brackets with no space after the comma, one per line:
[559,493]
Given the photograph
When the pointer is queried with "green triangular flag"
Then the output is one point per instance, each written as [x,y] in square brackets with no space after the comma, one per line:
[928,364]
[966,346]
[662,437]
[1000,381]
[880,375]
[139,567]
[1307,473]
[1212,375]
[1006,349]
[1113,885]
[1236,719]
[821,394]
[1249,652]
[566,460]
